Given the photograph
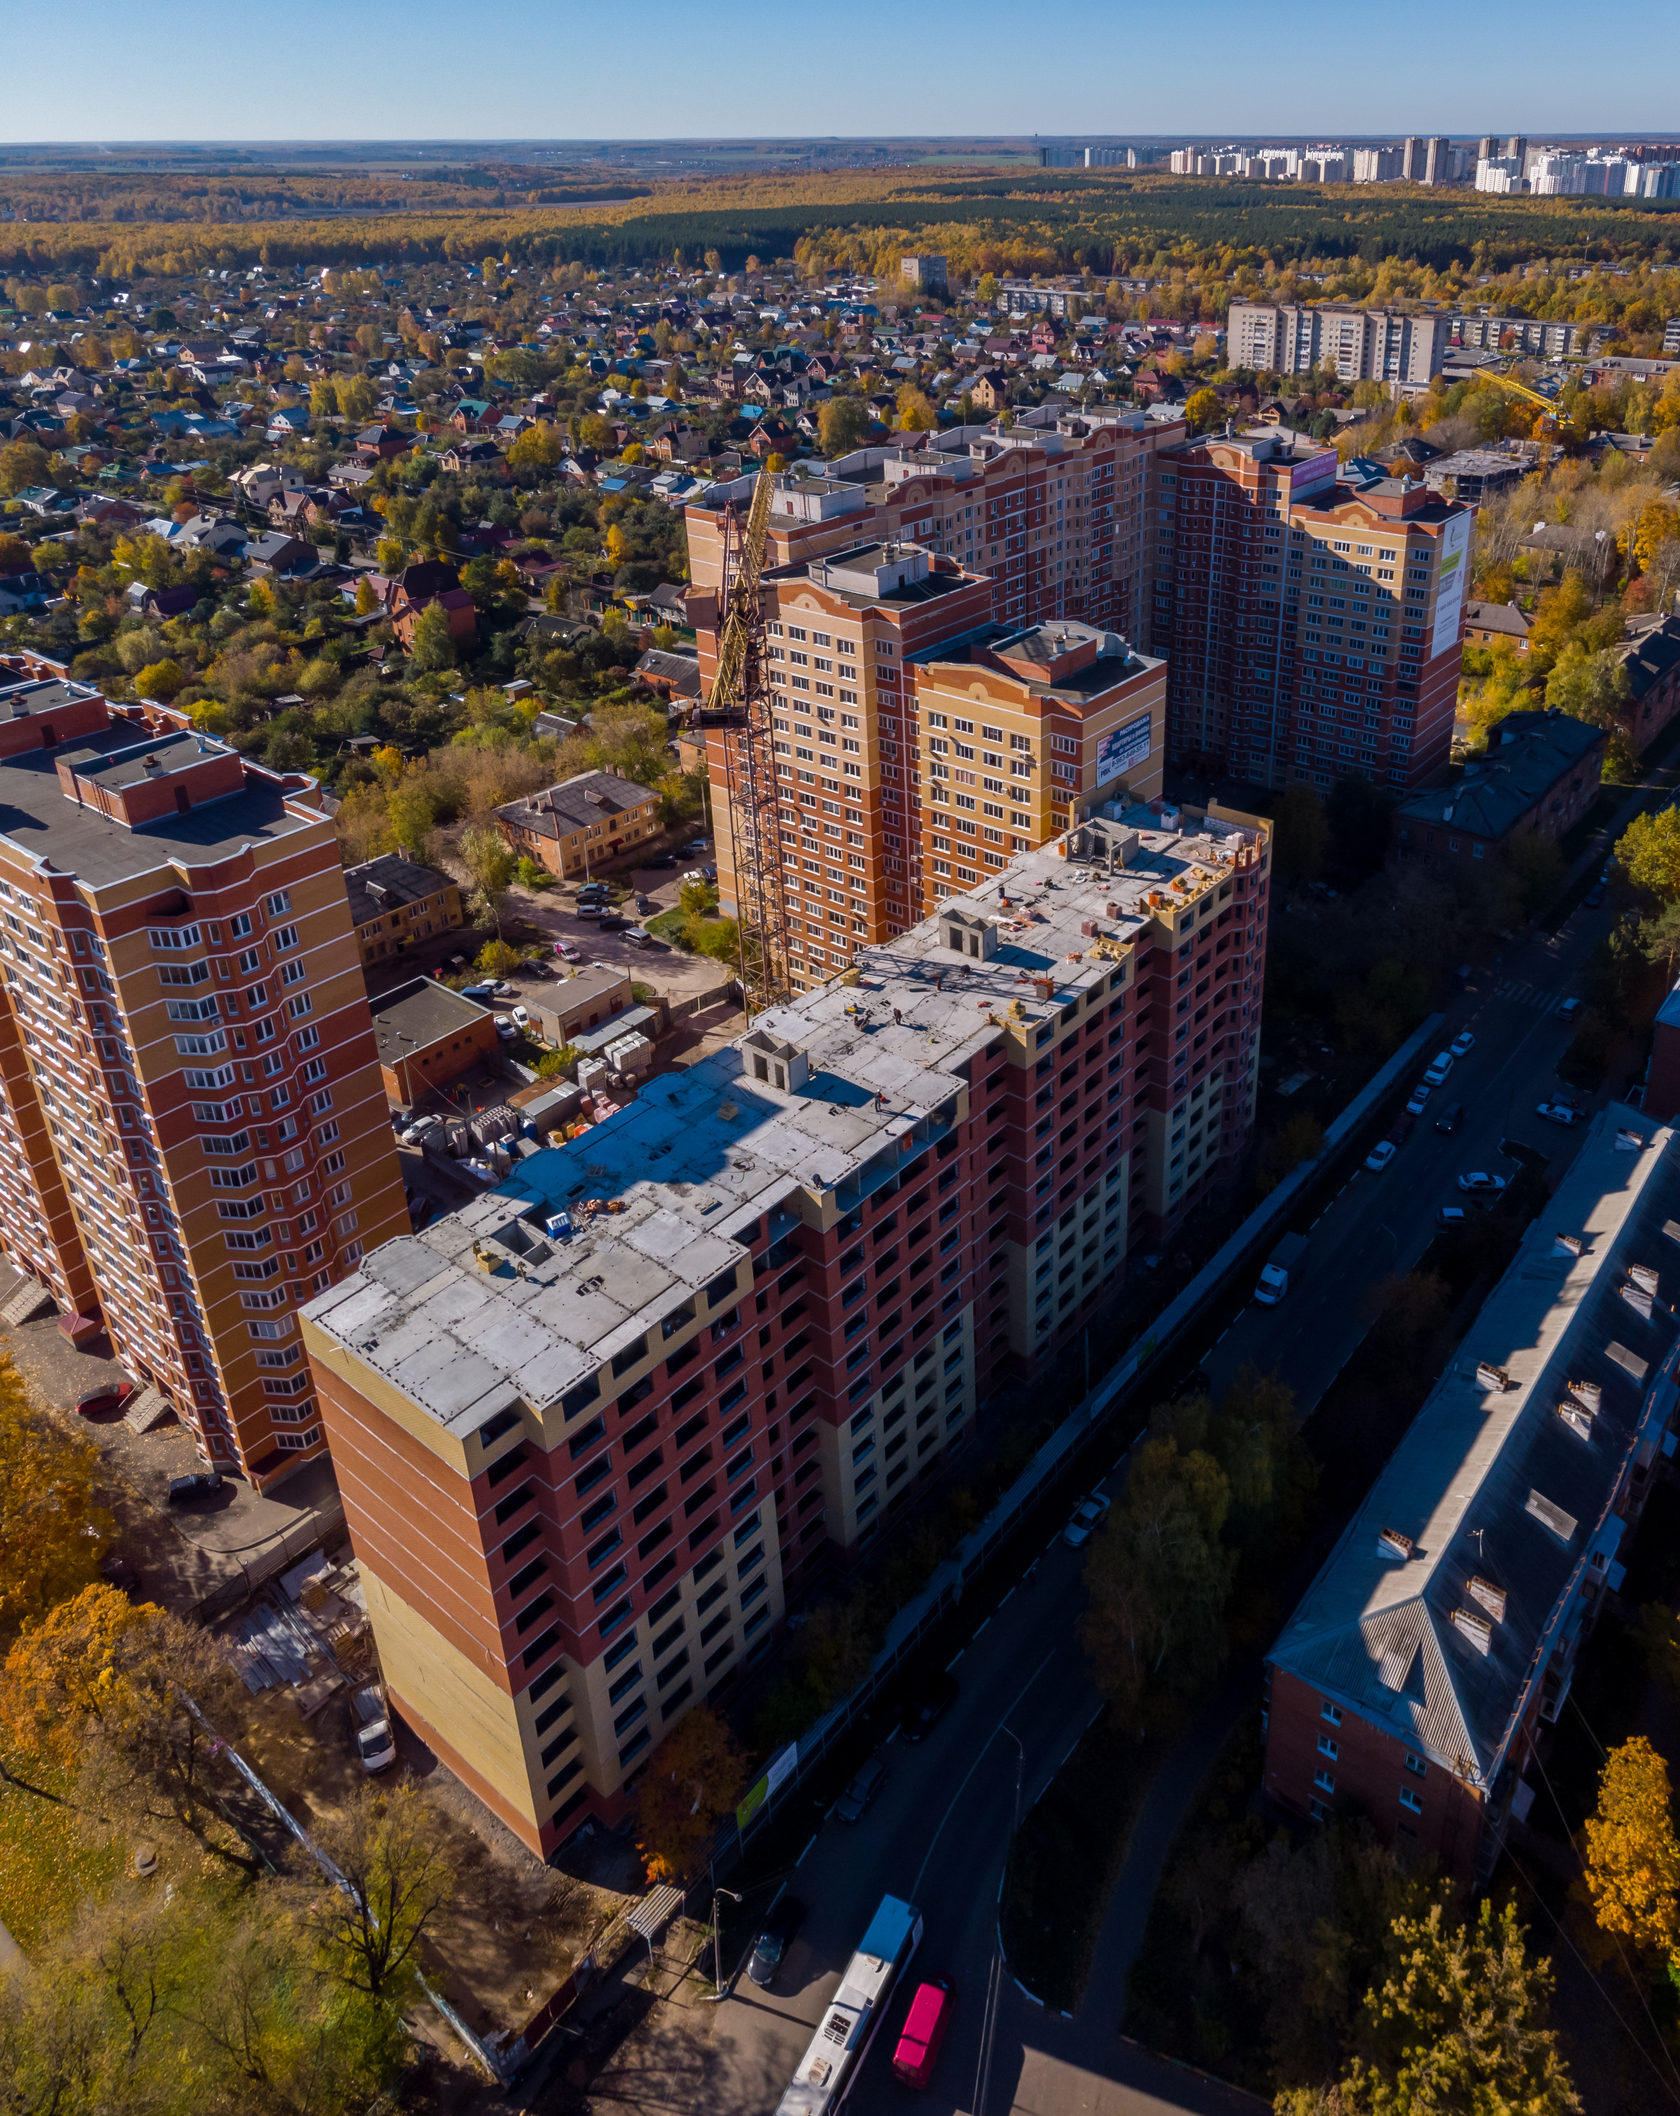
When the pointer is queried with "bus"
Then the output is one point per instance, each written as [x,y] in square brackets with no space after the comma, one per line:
[851,2017]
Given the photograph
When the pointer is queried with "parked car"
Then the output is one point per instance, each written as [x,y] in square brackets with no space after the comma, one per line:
[480,992]
[1449,1117]
[637,938]
[696,846]
[202,1484]
[594,889]
[592,909]
[780,1930]
[1435,1073]
[928,1706]
[520,1017]
[1420,1095]
[375,1743]
[1478,1183]
[1595,896]
[1452,1216]
[1402,1128]
[923,2033]
[696,874]
[109,1396]
[505,1028]
[646,904]
[422,1129]
[1462,1044]
[1559,1113]
[1568,1009]
[1088,1516]
[865,1784]
[1380,1156]
[568,951]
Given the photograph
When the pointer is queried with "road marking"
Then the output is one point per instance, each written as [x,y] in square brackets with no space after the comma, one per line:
[800,1861]
[982,1627]
[1006,1598]
[979,1757]
[955,1657]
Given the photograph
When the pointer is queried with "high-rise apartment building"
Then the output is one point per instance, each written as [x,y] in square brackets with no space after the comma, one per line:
[591,1429]
[1438,164]
[193,1134]
[1362,345]
[1014,735]
[1036,523]
[1310,624]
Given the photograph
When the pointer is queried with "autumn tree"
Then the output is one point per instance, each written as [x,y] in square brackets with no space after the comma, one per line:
[1157,1575]
[363,825]
[916,413]
[1203,409]
[386,1845]
[1648,853]
[490,862]
[1633,1855]
[843,424]
[695,1777]
[132,1693]
[411,807]
[52,1534]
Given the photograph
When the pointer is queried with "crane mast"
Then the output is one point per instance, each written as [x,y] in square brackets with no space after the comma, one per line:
[736,713]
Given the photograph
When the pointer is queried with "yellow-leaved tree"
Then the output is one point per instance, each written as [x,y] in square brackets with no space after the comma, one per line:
[694,1779]
[1633,1855]
[52,1533]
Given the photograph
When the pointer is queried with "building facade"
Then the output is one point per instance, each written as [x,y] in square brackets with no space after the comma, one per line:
[195,1133]
[1362,345]
[395,901]
[580,823]
[1539,777]
[1310,626]
[1417,1678]
[592,1429]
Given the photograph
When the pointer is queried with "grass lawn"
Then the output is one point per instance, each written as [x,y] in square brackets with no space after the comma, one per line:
[52,1858]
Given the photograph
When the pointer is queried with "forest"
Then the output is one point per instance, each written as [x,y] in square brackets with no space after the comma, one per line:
[1102,221]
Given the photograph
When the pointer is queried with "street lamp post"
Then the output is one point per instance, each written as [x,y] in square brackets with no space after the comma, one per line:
[717,1936]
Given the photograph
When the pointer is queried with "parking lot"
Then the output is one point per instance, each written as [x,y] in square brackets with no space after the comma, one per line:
[671,972]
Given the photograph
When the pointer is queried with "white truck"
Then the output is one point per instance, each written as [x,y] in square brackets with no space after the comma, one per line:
[1274,1272]
[375,1743]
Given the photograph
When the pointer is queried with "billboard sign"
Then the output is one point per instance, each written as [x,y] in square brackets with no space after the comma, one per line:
[1450,582]
[1123,749]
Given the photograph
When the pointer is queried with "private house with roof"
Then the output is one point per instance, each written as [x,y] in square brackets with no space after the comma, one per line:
[581,822]
[395,900]
[1417,1676]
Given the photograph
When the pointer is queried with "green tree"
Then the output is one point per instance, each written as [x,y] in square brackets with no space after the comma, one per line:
[843,424]
[431,647]
[22,463]
[387,1845]
[1300,834]
[489,861]
[411,809]
[1589,686]
[1157,1576]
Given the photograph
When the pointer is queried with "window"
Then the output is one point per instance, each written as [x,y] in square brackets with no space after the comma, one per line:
[1326,1747]
[1324,1781]
[1331,1712]
[1416,1765]
[1410,1801]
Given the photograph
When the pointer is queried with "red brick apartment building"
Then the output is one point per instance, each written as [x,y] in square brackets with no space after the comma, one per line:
[1419,1675]
[193,1135]
[594,1428]
[1310,625]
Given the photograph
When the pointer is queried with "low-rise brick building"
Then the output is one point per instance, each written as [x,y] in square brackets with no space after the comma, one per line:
[427,1036]
[582,822]
[395,900]
[1540,775]
[1417,1677]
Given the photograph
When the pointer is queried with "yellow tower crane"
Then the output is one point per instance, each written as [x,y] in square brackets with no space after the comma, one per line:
[735,719]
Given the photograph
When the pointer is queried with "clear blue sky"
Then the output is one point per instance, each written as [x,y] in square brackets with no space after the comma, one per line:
[554,69]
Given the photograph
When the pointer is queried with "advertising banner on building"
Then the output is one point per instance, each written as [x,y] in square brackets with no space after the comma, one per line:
[781,1768]
[1450,583]
[1123,749]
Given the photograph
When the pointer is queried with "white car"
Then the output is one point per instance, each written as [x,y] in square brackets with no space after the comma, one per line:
[1463,1044]
[1478,1183]
[1436,1073]
[520,1017]
[1558,1113]
[1380,1156]
[505,1028]
[1414,1108]
[1088,1516]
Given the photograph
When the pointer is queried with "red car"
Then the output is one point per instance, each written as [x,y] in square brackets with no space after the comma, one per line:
[923,2033]
[114,1396]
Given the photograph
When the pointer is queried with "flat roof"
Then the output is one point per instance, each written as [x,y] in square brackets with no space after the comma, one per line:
[43,824]
[1505,1507]
[664,1194]
[419,1014]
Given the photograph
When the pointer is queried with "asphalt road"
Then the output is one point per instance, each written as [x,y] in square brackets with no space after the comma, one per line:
[939,1831]
[1381,1222]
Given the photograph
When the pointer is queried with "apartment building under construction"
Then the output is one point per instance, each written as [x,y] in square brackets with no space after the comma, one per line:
[193,1134]
[593,1429]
